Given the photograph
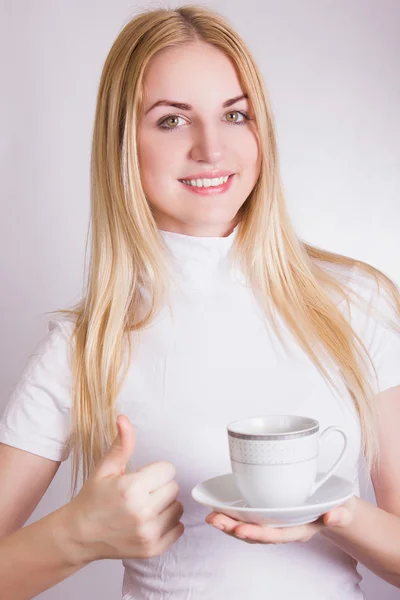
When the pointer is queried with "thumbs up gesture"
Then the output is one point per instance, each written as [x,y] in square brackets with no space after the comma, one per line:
[126,515]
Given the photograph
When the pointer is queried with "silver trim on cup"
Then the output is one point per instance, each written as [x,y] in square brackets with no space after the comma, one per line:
[290,435]
[280,464]
[274,436]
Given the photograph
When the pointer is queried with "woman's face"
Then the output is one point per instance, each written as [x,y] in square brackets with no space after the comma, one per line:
[196,140]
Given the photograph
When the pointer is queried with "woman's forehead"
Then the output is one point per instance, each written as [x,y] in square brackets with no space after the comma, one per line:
[188,73]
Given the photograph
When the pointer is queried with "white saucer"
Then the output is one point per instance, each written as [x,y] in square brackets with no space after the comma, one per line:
[222,495]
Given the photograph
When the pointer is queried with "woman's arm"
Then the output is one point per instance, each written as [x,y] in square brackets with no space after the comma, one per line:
[24,553]
[373,538]
[37,557]
[115,515]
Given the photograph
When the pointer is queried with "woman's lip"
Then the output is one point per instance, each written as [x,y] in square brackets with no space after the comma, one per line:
[212,190]
[207,175]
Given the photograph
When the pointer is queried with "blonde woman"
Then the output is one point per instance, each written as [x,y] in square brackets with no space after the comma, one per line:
[202,306]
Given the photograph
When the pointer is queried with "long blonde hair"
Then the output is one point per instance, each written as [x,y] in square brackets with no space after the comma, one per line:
[127,251]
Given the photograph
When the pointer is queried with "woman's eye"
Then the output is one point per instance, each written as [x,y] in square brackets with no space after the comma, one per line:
[170,122]
[238,112]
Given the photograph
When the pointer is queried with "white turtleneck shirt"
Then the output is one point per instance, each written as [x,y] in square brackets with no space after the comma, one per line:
[211,360]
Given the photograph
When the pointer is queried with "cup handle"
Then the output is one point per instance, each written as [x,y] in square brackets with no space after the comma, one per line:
[322,480]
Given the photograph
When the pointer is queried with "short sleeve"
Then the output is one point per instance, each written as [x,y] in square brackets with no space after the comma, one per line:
[37,417]
[378,324]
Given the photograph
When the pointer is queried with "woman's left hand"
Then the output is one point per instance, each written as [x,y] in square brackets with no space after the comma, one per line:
[342,516]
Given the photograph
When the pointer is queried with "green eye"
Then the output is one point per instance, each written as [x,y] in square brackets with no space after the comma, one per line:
[169,118]
[238,112]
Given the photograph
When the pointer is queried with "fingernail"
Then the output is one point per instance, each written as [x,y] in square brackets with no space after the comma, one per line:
[218,526]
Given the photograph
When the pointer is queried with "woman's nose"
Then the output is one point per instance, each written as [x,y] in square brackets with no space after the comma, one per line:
[207,146]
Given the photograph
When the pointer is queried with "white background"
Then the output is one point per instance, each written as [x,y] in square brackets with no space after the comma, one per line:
[331,68]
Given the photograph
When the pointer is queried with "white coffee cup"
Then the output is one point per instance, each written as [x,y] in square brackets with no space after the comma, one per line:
[274,458]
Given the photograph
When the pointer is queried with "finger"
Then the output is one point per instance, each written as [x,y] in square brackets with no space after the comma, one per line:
[117,457]
[278,535]
[340,517]
[152,476]
[222,521]
[169,518]
[170,537]
[232,535]
[226,524]
[163,497]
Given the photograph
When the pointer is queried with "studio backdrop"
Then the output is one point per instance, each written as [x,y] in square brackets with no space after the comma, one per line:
[331,69]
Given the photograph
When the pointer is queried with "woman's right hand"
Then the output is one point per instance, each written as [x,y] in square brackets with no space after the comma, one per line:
[125,515]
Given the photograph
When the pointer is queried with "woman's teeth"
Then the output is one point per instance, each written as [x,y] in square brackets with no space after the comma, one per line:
[206,182]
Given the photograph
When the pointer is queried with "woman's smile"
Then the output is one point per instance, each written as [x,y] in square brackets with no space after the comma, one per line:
[205,187]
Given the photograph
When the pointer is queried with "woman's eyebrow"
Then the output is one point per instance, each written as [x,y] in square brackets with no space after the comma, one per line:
[183,106]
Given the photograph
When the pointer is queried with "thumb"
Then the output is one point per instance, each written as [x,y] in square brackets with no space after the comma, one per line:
[340,517]
[116,458]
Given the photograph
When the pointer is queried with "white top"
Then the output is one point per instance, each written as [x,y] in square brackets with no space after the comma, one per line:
[216,361]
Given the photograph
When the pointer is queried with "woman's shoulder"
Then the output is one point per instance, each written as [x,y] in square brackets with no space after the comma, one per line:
[364,288]
[52,350]
[61,324]
[370,302]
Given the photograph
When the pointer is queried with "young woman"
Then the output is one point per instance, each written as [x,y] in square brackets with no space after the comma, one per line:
[202,307]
